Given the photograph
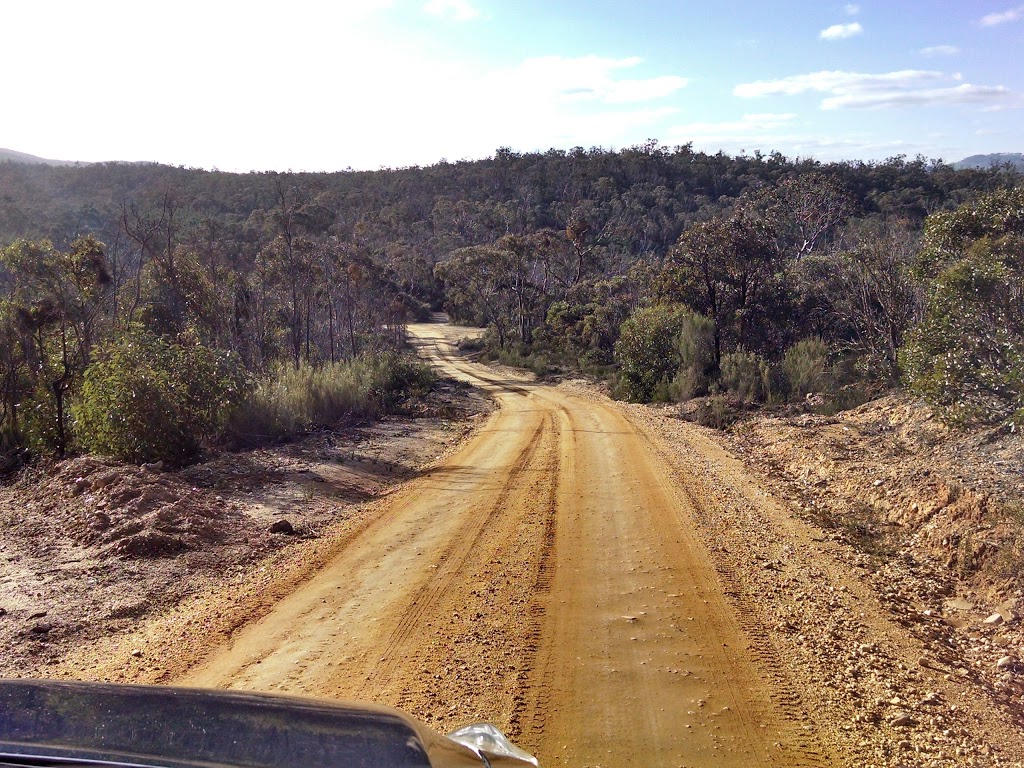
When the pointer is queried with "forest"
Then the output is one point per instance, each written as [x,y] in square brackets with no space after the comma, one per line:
[147,311]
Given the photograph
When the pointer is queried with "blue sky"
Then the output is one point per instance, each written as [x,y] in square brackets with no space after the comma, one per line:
[389,83]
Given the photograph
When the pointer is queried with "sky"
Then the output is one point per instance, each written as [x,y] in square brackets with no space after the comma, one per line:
[367,84]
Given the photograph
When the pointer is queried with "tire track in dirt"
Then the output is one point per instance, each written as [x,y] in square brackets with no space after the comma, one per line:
[804,746]
[531,697]
[452,564]
[763,652]
[487,625]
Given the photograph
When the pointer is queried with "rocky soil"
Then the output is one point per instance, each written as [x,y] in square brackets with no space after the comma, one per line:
[885,552]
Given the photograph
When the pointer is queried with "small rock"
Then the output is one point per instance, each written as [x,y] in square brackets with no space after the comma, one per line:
[1003,663]
[104,480]
[37,615]
[995,618]
[904,719]
[41,629]
[3,611]
[137,653]
[282,526]
[156,466]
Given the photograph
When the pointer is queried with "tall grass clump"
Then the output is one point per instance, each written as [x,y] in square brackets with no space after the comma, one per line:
[806,367]
[291,401]
[696,347]
[746,375]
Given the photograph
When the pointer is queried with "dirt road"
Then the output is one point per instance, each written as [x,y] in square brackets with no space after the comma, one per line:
[545,577]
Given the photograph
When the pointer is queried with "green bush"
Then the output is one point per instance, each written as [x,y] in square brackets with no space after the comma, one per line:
[746,375]
[647,352]
[966,356]
[520,356]
[145,398]
[806,367]
[292,400]
[696,347]
[714,412]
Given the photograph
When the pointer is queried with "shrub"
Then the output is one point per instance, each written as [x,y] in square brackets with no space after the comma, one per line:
[145,398]
[647,351]
[294,400]
[520,356]
[745,375]
[714,412]
[696,347]
[806,367]
[966,357]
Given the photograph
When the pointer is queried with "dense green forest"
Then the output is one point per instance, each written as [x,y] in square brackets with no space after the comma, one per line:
[147,310]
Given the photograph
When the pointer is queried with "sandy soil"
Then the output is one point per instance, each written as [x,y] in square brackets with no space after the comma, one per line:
[610,585]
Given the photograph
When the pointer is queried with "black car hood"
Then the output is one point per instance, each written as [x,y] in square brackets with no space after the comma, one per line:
[185,728]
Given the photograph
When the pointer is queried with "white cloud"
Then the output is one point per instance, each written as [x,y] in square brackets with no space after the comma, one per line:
[852,9]
[458,10]
[1003,17]
[841,31]
[959,94]
[586,78]
[933,51]
[904,88]
[836,81]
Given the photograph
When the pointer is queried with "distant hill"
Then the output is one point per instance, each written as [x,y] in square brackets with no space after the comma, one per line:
[996,159]
[10,156]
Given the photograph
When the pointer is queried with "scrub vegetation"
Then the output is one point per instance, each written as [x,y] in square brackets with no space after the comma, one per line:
[213,306]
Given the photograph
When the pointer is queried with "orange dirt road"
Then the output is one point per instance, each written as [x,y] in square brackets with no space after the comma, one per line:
[544,578]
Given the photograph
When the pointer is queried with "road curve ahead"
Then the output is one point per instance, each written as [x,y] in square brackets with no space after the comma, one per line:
[544,577]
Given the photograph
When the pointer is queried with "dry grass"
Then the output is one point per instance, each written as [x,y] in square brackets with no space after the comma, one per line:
[295,400]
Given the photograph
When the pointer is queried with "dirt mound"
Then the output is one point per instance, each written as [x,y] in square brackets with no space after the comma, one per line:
[935,514]
[126,510]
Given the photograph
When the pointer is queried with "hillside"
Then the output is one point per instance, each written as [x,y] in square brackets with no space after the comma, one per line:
[10,156]
[994,160]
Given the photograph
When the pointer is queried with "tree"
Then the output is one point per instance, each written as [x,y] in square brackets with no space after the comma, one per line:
[54,302]
[146,398]
[725,269]
[476,284]
[869,292]
[804,210]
